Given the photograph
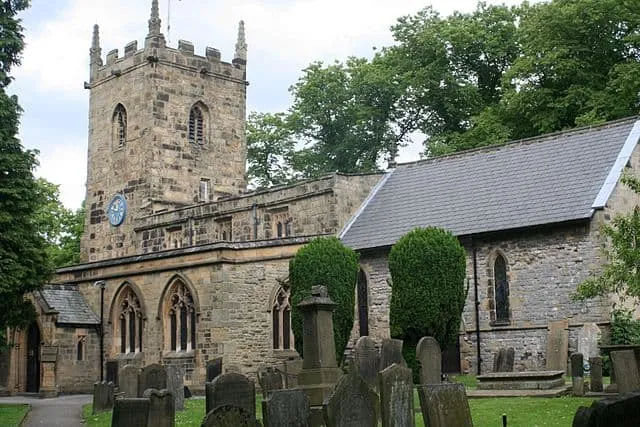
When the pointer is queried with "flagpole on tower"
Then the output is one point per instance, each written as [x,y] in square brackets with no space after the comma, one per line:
[168,21]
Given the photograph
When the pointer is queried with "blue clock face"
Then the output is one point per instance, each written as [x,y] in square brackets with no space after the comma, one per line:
[117,210]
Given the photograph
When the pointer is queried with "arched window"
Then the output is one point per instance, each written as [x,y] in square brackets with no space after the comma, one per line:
[80,348]
[363,303]
[196,124]
[129,322]
[120,126]
[180,310]
[281,316]
[501,289]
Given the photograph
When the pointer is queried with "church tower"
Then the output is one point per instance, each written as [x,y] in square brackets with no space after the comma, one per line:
[166,130]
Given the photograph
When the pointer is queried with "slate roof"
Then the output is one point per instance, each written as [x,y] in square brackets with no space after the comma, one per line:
[71,306]
[550,179]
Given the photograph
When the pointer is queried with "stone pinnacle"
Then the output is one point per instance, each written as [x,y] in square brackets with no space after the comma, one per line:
[241,44]
[154,21]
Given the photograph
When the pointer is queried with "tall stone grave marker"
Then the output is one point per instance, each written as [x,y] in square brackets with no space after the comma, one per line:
[352,403]
[595,364]
[292,369]
[152,376]
[588,338]
[162,409]
[270,380]
[214,368]
[112,372]
[396,396]
[128,381]
[429,357]
[367,360]
[390,353]
[175,384]
[577,374]
[558,345]
[625,367]
[503,360]
[103,396]
[444,405]
[229,416]
[130,412]
[231,390]
[286,408]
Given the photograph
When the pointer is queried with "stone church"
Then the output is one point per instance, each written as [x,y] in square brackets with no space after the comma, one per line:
[181,264]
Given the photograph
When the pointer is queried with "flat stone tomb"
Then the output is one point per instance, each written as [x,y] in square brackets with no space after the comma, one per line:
[534,380]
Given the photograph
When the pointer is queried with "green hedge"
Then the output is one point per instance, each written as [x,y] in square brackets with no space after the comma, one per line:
[325,261]
[428,269]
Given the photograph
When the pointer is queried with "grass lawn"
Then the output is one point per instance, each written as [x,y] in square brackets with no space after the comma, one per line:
[12,415]
[521,411]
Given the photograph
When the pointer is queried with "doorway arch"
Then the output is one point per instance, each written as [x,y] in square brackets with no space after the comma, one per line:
[33,359]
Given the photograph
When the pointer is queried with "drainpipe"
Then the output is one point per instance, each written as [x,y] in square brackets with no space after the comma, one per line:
[477,305]
[102,285]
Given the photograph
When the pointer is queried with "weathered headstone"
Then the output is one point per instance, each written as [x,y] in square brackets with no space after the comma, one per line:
[626,369]
[429,358]
[595,364]
[270,380]
[352,403]
[286,408]
[619,411]
[396,396]
[152,376]
[214,368]
[130,412]
[444,405]
[503,360]
[390,353]
[128,381]
[231,390]
[162,409]
[577,374]
[112,368]
[229,416]
[103,396]
[175,384]
[558,345]
[366,360]
[291,370]
[588,337]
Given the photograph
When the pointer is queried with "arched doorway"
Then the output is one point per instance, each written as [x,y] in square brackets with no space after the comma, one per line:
[363,303]
[33,359]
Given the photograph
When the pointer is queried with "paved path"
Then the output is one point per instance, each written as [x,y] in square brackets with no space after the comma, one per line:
[58,411]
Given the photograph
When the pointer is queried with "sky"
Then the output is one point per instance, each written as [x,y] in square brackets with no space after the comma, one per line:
[283,36]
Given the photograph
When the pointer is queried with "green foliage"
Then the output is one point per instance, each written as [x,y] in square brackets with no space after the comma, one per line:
[325,261]
[427,267]
[624,328]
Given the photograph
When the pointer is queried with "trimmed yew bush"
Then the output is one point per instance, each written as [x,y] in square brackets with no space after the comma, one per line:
[427,267]
[325,261]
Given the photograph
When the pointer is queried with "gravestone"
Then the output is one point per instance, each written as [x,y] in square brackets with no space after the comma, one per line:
[112,372]
[588,337]
[503,360]
[625,367]
[229,416]
[619,411]
[231,389]
[595,364]
[577,374]
[396,396]
[291,370]
[152,376]
[270,380]
[390,353]
[214,368]
[103,396]
[444,405]
[175,384]
[130,412]
[558,345]
[366,360]
[352,403]
[429,358]
[286,408]
[162,409]
[128,381]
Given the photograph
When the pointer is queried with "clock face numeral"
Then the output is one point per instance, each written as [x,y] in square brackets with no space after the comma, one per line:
[117,210]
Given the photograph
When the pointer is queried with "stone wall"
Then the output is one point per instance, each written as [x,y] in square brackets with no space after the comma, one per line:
[73,375]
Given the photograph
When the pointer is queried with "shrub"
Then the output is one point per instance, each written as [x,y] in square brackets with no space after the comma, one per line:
[427,268]
[325,261]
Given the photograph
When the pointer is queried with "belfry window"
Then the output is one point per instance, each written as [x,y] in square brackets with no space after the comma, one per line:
[129,322]
[120,126]
[181,315]
[281,316]
[196,124]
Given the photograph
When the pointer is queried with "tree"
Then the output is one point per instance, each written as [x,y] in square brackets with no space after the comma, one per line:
[23,260]
[325,261]
[427,267]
